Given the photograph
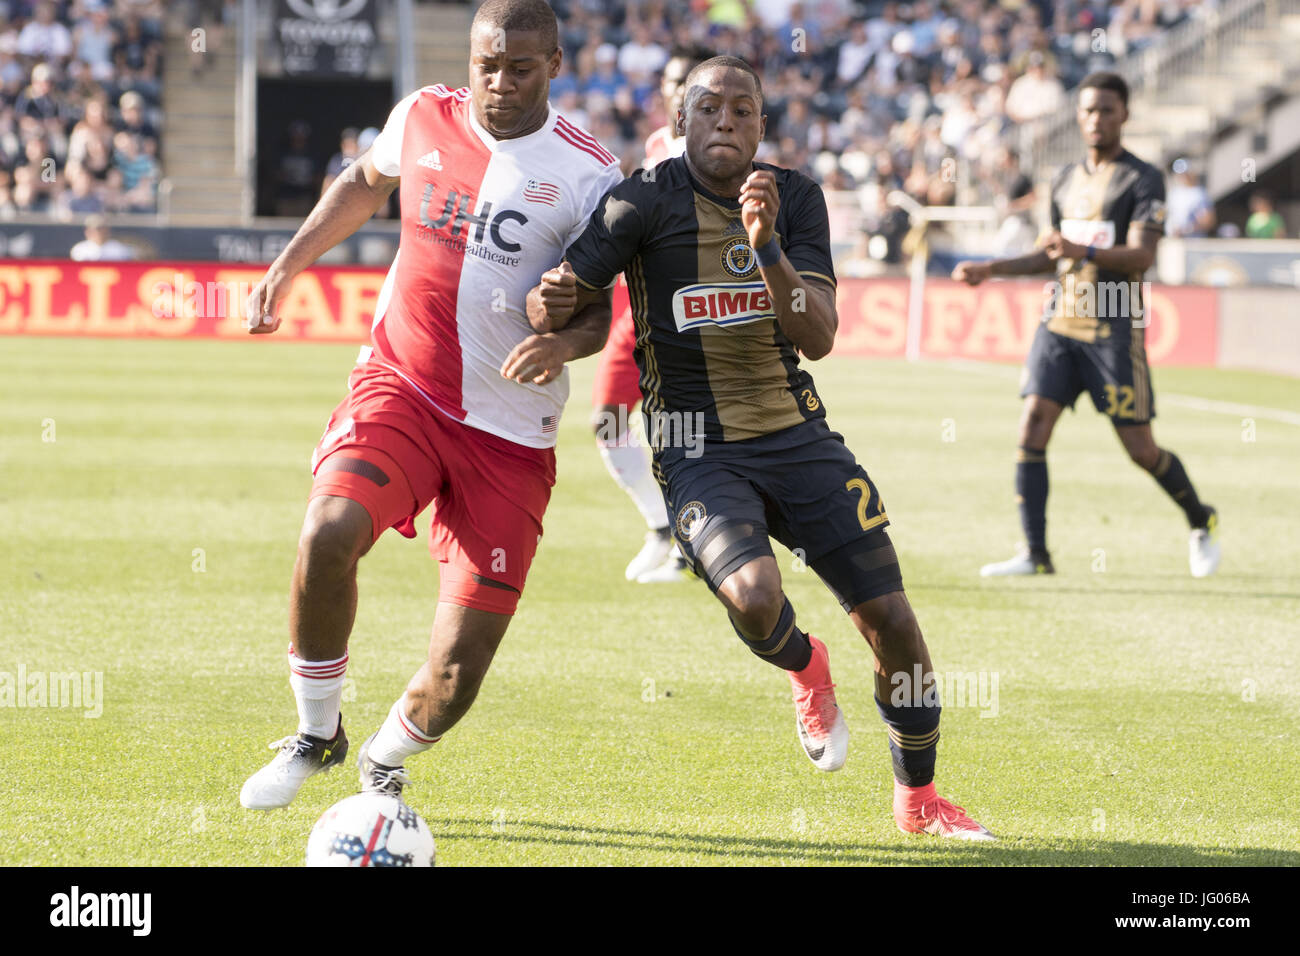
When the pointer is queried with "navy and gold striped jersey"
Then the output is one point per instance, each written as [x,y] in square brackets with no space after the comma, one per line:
[707,339]
[1096,209]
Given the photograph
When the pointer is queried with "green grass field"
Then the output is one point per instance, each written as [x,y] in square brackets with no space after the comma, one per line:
[1142,717]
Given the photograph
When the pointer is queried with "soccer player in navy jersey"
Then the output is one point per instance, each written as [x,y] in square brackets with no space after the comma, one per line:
[1108,214]
[729,271]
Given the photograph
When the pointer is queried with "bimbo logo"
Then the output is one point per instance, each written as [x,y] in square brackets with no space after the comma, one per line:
[455,211]
[735,304]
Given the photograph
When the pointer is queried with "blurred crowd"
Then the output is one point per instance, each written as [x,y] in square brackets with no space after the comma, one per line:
[80,91]
[936,98]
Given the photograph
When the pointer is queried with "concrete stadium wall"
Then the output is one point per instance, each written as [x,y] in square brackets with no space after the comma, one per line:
[1259,329]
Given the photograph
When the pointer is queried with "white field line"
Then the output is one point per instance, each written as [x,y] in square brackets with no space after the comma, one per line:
[1195,402]
[1232,408]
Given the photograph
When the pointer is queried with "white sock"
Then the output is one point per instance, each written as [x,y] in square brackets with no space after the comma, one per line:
[398,738]
[629,465]
[318,689]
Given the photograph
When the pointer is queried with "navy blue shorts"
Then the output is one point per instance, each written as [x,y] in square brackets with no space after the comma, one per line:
[801,486]
[1114,373]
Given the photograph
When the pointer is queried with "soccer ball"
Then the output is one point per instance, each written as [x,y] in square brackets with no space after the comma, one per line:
[370,829]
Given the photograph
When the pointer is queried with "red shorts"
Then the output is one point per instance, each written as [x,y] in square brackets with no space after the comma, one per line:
[617,380]
[388,450]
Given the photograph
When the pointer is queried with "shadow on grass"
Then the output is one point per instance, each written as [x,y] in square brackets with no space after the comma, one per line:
[1008,851]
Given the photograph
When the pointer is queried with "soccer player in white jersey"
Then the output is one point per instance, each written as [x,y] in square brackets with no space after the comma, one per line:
[455,402]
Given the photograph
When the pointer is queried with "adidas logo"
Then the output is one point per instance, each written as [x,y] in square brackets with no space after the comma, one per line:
[734,227]
[430,160]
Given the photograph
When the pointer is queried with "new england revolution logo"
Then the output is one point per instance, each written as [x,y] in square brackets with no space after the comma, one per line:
[543,193]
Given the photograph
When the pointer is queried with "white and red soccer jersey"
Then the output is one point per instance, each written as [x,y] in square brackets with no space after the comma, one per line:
[482,219]
[661,145]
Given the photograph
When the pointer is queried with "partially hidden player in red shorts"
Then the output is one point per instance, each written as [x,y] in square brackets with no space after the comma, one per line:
[455,403]
[617,390]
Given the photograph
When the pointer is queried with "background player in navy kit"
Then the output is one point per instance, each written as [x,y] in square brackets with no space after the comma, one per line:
[1093,335]
[729,271]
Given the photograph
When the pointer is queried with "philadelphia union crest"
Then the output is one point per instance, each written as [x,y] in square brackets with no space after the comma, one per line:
[689,519]
[738,258]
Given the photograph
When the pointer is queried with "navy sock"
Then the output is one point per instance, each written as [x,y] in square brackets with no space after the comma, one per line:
[1172,477]
[913,740]
[787,647]
[1031,496]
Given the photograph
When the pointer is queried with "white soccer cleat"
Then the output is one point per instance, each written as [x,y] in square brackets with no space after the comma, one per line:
[829,751]
[675,568]
[823,731]
[658,545]
[1203,551]
[299,757]
[1022,563]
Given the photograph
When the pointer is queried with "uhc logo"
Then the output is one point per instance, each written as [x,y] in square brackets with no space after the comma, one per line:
[733,304]
[455,211]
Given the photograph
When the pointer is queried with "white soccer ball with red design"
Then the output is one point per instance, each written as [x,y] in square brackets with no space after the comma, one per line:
[370,829]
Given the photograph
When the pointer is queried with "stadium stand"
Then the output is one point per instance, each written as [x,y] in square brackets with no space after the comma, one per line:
[873,94]
[950,102]
[80,106]
[864,97]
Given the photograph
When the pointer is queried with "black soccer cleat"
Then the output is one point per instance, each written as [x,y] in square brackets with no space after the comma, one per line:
[300,756]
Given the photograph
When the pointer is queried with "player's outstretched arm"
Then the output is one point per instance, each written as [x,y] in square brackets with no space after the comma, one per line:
[540,358]
[805,308]
[1138,254]
[349,202]
[973,273]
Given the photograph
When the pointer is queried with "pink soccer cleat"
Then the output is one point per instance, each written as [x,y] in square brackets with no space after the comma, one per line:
[921,810]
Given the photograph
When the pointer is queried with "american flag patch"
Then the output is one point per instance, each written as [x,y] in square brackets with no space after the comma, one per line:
[547,194]
[549,422]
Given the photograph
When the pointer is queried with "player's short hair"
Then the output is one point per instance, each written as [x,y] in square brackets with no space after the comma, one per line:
[526,16]
[734,62]
[693,53]
[1106,80]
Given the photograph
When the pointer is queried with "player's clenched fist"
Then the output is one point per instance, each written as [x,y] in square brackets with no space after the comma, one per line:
[972,273]
[259,310]
[1058,247]
[550,305]
[759,203]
